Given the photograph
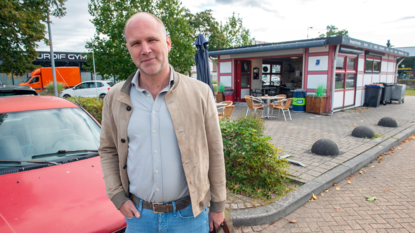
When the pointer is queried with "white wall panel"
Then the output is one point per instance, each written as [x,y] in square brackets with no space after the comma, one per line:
[226,81]
[349,98]
[338,99]
[367,79]
[318,49]
[391,78]
[314,80]
[383,78]
[390,67]
[318,63]
[375,78]
[361,65]
[225,67]
[244,92]
[384,66]
[359,101]
[359,80]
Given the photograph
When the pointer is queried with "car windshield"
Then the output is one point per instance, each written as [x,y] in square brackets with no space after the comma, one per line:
[110,84]
[26,136]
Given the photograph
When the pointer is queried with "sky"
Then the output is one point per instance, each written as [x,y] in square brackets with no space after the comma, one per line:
[374,21]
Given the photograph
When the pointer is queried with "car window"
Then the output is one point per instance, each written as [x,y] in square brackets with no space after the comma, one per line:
[91,84]
[99,84]
[26,134]
[110,84]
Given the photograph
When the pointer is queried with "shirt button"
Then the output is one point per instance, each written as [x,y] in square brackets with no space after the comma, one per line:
[155,152]
[122,140]
[154,112]
[148,95]
[158,190]
[157,171]
[155,131]
[128,108]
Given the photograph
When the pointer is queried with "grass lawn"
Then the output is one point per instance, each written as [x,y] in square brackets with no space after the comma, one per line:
[410,92]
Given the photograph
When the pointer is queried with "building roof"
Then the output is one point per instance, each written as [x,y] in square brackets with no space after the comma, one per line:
[410,50]
[319,42]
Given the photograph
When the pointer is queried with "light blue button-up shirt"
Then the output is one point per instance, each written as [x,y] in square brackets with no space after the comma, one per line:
[154,163]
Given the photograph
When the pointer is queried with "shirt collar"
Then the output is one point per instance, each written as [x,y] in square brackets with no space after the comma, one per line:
[135,83]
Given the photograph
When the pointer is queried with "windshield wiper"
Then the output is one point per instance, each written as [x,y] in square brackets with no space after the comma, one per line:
[63,152]
[26,161]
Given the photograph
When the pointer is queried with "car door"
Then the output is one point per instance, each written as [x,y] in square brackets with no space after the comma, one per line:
[91,90]
[81,89]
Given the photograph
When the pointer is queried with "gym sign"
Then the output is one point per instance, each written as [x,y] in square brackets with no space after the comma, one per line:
[45,56]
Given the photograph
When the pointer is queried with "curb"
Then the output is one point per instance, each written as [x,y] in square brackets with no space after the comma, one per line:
[292,201]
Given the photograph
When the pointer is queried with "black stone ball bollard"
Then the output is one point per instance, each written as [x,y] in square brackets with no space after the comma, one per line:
[388,122]
[325,147]
[363,132]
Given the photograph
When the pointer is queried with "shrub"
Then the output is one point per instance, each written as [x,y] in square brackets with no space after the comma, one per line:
[51,89]
[91,105]
[252,163]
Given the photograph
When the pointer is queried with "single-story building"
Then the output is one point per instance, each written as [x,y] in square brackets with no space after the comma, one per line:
[341,64]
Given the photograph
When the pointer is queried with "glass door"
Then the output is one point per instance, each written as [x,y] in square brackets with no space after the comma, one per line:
[345,80]
[243,79]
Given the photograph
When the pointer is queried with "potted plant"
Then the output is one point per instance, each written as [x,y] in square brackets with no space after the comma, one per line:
[219,94]
[316,103]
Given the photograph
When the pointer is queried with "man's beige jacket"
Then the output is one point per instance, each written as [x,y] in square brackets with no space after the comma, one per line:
[193,112]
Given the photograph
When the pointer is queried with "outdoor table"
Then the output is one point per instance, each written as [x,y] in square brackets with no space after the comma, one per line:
[269,98]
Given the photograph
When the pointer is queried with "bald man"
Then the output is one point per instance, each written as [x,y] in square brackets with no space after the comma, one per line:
[161,145]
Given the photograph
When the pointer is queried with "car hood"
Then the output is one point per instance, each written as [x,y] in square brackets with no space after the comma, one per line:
[63,198]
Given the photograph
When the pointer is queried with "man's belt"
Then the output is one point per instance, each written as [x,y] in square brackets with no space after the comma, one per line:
[160,208]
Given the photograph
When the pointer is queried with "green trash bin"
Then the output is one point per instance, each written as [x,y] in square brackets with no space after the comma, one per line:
[298,100]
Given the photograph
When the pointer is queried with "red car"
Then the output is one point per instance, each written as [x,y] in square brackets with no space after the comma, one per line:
[50,172]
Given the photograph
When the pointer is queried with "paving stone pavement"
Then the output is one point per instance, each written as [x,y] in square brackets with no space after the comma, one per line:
[392,182]
[296,137]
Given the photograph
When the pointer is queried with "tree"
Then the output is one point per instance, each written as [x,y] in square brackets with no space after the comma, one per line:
[230,34]
[334,31]
[22,24]
[111,55]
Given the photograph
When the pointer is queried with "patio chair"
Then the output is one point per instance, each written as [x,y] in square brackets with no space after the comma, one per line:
[222,109]
[228,111]
[284,108]
[252,106]
[277,102]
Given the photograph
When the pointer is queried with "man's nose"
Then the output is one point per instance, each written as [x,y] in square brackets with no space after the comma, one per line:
[145,48]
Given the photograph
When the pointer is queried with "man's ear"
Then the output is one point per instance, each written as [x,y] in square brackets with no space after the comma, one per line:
[168,41]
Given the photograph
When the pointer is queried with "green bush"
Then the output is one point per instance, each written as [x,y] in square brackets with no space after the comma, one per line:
[252,163]
[51,89]
[91,105]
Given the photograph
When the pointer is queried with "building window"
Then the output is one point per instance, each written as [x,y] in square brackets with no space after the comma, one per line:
[372,64]
[271,74]
[340,63]
[351,63]
[345,78]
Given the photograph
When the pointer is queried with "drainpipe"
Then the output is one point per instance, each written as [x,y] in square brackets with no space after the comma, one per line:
[397,65]
[334,76]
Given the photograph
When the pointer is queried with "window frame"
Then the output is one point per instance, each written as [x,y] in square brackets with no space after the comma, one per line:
[270,73]
[373,59]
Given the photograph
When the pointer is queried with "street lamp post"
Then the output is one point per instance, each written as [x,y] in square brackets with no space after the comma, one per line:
[52,59]
[307,30]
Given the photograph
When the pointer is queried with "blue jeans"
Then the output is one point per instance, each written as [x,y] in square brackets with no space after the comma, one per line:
[176,221]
